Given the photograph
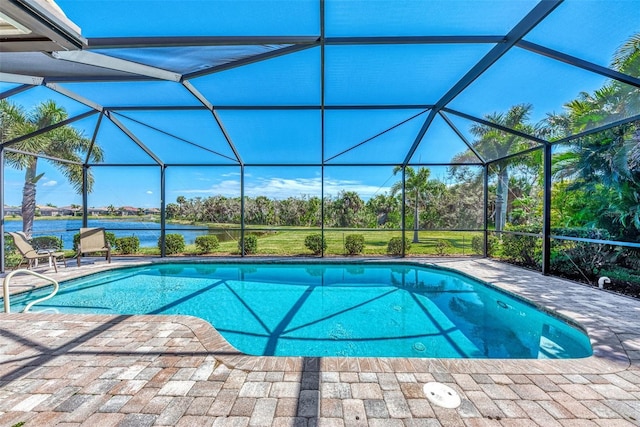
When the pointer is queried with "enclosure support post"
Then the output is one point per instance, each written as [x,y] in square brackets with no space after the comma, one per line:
[485,215]
[322,124]
[322,208]
[163,211]
[2,248]
[546,212]
[242,210]
[404,201]
[85,197]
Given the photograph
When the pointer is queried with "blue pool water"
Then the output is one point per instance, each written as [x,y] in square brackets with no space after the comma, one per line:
[329,309]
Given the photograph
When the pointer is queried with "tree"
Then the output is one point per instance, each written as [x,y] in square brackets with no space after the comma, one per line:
[345,209]
[493,143]
[416,186]
[607,164]
[64,142]
[383,211]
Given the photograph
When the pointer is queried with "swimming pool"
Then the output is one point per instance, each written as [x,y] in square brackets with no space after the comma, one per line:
[329,309]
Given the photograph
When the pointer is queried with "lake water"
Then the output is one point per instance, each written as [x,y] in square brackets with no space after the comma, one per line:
[147,232]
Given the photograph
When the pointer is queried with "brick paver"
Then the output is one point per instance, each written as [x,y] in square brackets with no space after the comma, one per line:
[64,370]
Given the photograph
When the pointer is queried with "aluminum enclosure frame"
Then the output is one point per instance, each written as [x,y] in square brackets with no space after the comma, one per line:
[82,51]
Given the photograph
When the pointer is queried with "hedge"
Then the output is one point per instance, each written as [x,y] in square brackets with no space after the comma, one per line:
[128,245]
[394,247]
[174,243]
[250,244]
[315,243]
[207,243]
[354,244]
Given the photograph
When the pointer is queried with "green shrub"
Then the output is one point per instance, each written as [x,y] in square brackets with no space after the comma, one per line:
[493,244]
[174,243]
[111,238]
[354,244]
[46,242]
[315,243]
[616,274]
[394,247]
[442,246]
[128,245]
[207,243]
[11,256]
[581,260]
[250,244]
[477,244]
[522,249]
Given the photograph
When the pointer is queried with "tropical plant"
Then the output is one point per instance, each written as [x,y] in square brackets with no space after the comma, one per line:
[383,211]
[606,165]
[64,142]
[416,185]
[345,209]
[494,143]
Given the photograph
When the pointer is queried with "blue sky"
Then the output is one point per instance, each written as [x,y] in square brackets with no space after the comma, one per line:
[356,75]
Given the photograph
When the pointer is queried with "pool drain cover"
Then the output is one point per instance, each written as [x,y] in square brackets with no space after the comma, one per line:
[442,395]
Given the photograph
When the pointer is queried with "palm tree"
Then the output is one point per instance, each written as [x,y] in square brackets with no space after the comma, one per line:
[626,59]
[610,157]
[416,186]
[63,142]
[492,143]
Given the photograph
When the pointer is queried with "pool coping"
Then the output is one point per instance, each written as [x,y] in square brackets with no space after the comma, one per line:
[609,354]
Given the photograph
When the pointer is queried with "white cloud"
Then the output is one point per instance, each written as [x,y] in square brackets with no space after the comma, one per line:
[51,183]
[281,188]
[229,174]
[149,192]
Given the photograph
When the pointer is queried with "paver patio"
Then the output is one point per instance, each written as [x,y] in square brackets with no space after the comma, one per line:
[86,370]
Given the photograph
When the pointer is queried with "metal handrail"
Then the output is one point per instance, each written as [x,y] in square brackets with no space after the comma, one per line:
[5,289]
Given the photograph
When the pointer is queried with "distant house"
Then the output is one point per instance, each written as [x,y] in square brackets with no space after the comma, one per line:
[97,211]
[12,210]
[128,211]
[152,211]
[49,210]
[70,211]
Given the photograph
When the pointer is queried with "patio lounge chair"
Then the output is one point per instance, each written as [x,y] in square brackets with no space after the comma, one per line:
[93,240]
[32,255]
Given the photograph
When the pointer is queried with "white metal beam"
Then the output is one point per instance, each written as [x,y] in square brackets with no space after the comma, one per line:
[21,79]
[104,61]
[66,92]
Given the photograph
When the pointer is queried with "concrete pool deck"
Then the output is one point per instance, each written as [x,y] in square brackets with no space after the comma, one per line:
[85,370]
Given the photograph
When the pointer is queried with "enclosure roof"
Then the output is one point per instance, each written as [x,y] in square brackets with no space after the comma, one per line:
[309,82]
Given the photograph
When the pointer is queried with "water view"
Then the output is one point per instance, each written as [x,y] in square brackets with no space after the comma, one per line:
[147,231]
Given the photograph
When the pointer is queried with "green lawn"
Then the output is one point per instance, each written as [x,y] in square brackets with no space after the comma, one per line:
[290,242]
[283,241]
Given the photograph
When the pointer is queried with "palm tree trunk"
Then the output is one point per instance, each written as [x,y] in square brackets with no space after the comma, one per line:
[502,194]
[415,221]
[29,197]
